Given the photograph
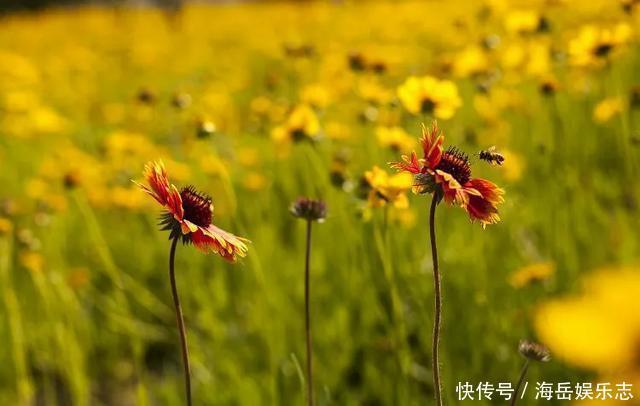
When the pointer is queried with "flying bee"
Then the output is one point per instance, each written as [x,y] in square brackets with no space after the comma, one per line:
[491,156]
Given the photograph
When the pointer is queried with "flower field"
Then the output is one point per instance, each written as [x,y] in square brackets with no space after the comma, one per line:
[246,107]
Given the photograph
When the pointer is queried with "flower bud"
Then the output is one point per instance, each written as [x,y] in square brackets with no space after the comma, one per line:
[309,209]
[534,351]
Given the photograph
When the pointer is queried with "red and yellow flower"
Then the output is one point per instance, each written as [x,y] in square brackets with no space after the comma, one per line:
[447,173]
[189,214]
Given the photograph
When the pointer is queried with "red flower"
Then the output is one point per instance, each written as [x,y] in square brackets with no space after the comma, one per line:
[189,214]
[448,174]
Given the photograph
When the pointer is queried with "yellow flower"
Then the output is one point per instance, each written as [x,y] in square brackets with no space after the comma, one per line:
[128,198]
[17,70]
[373,92]
[248,156]
[593,45]
[113,113]
[549,85]
[472,60]
[532,58]
[261,106]
[405,218]
[5,226]
[32,261]
[254,181]
[19,101]
[607,109]
[523,22]
[490,106]
[539,59]
[46,120]
[35,120]
[395,138]
[512,56]
[495,6]
[301,123]
[513,166]
[529,274]
[385,188]
[36,188]
[428,95]
[629,6]
[126,143]
[599,329]
[316,95]
[337,131]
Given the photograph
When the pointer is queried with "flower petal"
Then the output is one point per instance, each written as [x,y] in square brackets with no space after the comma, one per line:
[487,189]
[188,227]
[482,210]
[411,164]
[454,193]
[432,145]
[484,196]
[221,242]
[160,189]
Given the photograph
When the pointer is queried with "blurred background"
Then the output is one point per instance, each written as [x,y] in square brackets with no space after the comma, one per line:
[257,103]
[31,5]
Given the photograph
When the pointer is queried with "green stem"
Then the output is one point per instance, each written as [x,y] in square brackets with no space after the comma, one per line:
[310,398]
[519,384]
[180,320]
[438,301]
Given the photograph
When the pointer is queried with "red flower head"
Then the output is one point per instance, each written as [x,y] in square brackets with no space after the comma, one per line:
[189,214]
[448,174]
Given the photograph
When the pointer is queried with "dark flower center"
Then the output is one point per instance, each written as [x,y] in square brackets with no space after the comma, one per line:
[544,25]
[427,106]
[603,49]
[298,134]
[197,206]
[356,62]
[455,163]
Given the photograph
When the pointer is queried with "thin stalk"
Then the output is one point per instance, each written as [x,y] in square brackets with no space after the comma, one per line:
[180,320]
[310,398]
[438,301]
[519,384]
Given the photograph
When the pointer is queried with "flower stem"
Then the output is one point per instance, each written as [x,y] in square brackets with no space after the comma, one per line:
[310,401]
[180,320]
[519,384]
[438,301]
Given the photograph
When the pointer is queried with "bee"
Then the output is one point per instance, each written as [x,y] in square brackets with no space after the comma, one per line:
[491,156]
